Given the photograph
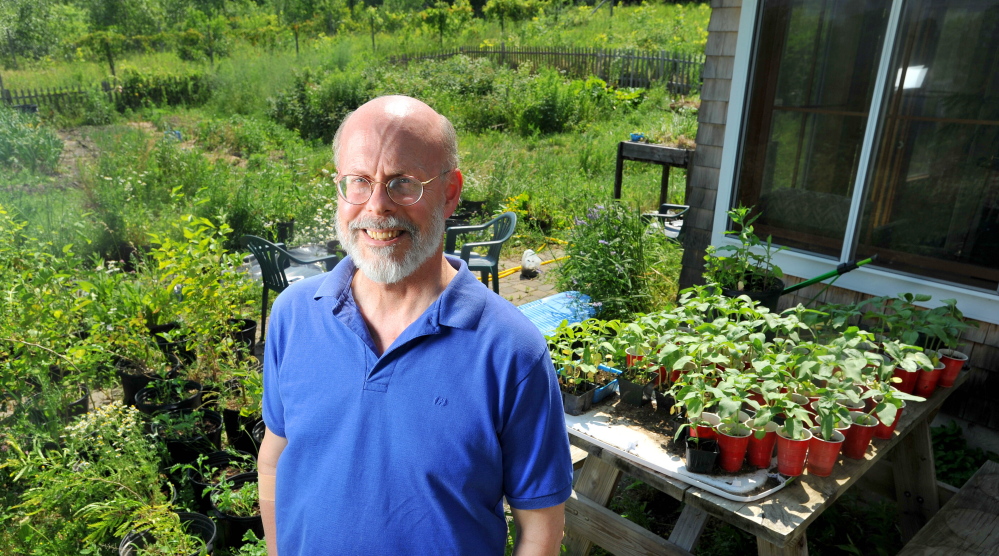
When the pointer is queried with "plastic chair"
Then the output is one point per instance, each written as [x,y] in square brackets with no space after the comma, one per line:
[273,260]
[488,263]
[671,219]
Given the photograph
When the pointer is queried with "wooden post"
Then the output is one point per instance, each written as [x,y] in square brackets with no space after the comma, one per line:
[618,171]
[915,480]
[596,481]
[688,528]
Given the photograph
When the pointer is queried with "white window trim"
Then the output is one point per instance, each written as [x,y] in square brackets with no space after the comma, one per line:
[975,304]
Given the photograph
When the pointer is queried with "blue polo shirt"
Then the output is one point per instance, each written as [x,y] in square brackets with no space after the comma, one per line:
[411,452]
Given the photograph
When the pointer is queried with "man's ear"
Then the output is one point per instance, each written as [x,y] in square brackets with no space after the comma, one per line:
[452,193]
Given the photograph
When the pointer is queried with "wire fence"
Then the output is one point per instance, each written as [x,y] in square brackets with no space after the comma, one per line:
[681,73]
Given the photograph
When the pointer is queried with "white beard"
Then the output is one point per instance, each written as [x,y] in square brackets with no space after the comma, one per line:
[380,264]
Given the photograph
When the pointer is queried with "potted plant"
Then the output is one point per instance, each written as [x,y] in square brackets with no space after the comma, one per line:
[237,504]
[162,532]
[827,438]
[187,434]
[168,395]
[948,324]
[859,435]
[208,470]
[792,437]
[748,268]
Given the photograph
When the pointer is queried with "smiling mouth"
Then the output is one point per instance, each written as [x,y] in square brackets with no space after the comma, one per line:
[383,235]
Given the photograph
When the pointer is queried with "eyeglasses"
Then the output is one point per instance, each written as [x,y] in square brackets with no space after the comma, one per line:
[403,190]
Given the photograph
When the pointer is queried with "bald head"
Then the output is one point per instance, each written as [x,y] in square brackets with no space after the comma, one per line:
[404,119]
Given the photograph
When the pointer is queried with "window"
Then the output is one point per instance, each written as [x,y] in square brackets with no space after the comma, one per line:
[872,127]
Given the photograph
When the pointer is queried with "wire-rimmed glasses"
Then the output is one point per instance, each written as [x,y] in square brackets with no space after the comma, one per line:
[403,190]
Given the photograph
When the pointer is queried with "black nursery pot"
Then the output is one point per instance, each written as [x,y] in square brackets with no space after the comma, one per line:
[239,431]
[132,380]
[244,333]
[701,455]
[195,524]
[768,298]
[187,449]
[215,460]
[231,527]
[258,434]
[176,347]
[578,404]
[635,393]
[192,402]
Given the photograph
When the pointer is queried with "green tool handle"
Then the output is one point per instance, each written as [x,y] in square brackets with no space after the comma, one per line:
[843,268]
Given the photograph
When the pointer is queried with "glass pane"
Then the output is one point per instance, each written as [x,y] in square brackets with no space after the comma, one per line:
[809,99]
[933,205]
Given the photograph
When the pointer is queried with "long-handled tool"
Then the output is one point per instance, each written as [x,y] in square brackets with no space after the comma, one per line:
[839,271]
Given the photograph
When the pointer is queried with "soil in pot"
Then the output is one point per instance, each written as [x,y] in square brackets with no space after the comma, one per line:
[195,524]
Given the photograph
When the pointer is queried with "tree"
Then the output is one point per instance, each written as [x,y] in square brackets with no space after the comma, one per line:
[444,18]
[510,10]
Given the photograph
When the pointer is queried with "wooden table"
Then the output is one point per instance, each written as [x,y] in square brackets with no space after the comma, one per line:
[968,525]
[779,521]
[667,157]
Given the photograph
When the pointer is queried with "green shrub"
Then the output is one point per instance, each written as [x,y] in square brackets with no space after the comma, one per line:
[141,89]
[315,106]
[608,261]
[26,144]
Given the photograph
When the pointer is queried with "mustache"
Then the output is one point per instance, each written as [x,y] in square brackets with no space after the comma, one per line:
[370,222]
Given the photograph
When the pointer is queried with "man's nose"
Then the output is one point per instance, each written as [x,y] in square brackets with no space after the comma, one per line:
[380,202]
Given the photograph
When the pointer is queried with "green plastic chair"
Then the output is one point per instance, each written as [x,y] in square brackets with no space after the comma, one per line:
[273,260]
[487,263]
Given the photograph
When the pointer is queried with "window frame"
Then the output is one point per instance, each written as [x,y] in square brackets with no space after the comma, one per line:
[977,304]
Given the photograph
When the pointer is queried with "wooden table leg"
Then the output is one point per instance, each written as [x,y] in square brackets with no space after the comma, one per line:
[798,547]
[915,480]
[596,481]
[688,528]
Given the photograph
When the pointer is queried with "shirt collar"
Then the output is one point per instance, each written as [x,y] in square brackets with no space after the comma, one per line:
[459,306]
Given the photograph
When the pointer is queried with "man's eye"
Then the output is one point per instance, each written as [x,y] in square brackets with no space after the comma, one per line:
[402,182]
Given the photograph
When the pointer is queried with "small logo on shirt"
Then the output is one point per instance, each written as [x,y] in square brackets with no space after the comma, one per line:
[440,401]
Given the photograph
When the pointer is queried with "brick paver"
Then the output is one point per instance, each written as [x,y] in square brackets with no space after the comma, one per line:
[518,291]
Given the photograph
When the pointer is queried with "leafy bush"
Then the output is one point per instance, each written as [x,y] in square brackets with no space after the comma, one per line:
[608,260]
[26,144]
[140,89]
[315,107]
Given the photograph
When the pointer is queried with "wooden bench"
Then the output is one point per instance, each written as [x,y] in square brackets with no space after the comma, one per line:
[968,524]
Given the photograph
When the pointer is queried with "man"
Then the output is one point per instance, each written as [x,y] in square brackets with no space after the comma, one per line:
[403,399]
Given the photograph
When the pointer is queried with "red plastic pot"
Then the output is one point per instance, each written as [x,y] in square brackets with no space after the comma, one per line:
[822,454]
[791,454]
[926,384]
[760,452]
[883,431]
[859,435]
[706,431]
[732,443]
[953,361]
[909,378]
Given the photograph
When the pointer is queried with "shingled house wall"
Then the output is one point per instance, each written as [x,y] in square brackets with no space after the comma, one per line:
[975,401]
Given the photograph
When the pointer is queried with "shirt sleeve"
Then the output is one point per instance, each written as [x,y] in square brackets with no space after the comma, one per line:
[273,407]
[537,467]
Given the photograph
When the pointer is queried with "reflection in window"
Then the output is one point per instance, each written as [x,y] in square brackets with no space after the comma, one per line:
[811,90]
[933,203]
